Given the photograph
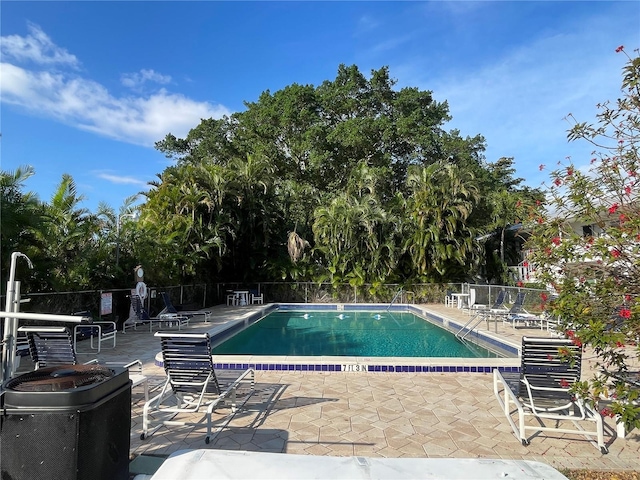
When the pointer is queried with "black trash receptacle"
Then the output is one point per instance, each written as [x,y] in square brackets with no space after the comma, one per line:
[66,422]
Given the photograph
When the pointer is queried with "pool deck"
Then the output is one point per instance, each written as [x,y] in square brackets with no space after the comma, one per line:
[370,414]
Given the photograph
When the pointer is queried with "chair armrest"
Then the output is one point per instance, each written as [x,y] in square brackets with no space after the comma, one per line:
[137,363]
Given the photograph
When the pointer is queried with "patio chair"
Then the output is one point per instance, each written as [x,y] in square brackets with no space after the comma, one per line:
[53,346]
[98,332]
[517,314]
[472,305]
[449,299]
[169,308]
[191,385]
[543,392]
[255,298]
[50,346]
[494,310]
[139,315]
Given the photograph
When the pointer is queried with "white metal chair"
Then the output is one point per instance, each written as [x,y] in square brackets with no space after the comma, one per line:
[543,392]
[257,299]
[98,332]
[449,299]
[191,384]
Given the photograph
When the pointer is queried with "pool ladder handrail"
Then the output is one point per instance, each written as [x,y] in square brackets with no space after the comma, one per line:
[470,329]
[395,297]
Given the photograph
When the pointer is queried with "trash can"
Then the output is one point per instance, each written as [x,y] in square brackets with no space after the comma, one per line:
[66,422]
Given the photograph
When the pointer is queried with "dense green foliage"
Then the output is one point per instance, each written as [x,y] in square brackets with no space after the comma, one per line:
[361,178]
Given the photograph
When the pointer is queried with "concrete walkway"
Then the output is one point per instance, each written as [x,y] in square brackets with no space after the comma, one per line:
[373,414]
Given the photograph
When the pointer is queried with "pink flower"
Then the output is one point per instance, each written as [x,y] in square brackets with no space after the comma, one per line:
[569,171]
[632,173]
[627,190]
[525,264]
[613,208]
[541,167]
[625,313]
[519,283]
[615,253]
[619,344]
[544,297]
[557,181]
[564,383]
[620,48]
[606,412]
[555,240]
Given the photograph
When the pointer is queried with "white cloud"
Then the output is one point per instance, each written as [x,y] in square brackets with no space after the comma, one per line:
[88,105]
[136,80]
[123,180]
[36,47]
[518,101]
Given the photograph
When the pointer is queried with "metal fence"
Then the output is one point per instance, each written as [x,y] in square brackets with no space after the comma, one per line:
[198,296]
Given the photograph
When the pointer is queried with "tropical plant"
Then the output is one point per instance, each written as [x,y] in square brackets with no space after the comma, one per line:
[596,271]
[442,198]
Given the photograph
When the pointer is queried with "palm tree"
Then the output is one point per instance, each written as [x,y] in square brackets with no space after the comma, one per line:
[443,196]
[20,213]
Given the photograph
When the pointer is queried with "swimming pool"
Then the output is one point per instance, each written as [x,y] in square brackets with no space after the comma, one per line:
[348,333]
[507,361]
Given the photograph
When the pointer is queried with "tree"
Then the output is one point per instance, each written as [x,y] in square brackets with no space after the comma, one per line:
[596,273]
[66,240]
[20,212]
[443,196]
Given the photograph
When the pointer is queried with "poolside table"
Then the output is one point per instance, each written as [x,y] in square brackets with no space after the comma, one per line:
[459,298]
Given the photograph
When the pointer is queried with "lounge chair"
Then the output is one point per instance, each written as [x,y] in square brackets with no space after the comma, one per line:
[498,308]
[542,391]
[139,315]
[517,313]
[169,308]
[53,346]
[191,384]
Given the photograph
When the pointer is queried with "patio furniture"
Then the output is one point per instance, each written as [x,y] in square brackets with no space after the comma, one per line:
[53,346]
[191,385]
[169,308]
[542,392]
[449,299]
[98,332]
[139,315]
[255,298]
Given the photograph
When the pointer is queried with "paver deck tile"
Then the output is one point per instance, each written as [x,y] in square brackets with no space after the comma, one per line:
[439,415]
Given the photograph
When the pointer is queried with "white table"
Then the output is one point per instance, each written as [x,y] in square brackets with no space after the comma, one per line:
[459,297]
[242,297]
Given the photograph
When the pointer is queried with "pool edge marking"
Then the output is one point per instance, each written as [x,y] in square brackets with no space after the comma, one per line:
[354,367]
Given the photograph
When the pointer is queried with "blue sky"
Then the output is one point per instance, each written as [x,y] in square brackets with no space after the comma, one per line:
[88,87]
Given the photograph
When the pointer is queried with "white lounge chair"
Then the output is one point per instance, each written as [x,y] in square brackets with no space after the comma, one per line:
[191,385]
[542,392]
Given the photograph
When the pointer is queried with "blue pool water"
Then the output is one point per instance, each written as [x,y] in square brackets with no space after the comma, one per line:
[349,333]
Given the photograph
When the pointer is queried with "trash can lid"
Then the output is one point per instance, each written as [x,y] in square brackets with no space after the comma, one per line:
[61,377]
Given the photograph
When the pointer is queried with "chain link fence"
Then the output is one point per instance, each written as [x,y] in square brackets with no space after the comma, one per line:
[197,296]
